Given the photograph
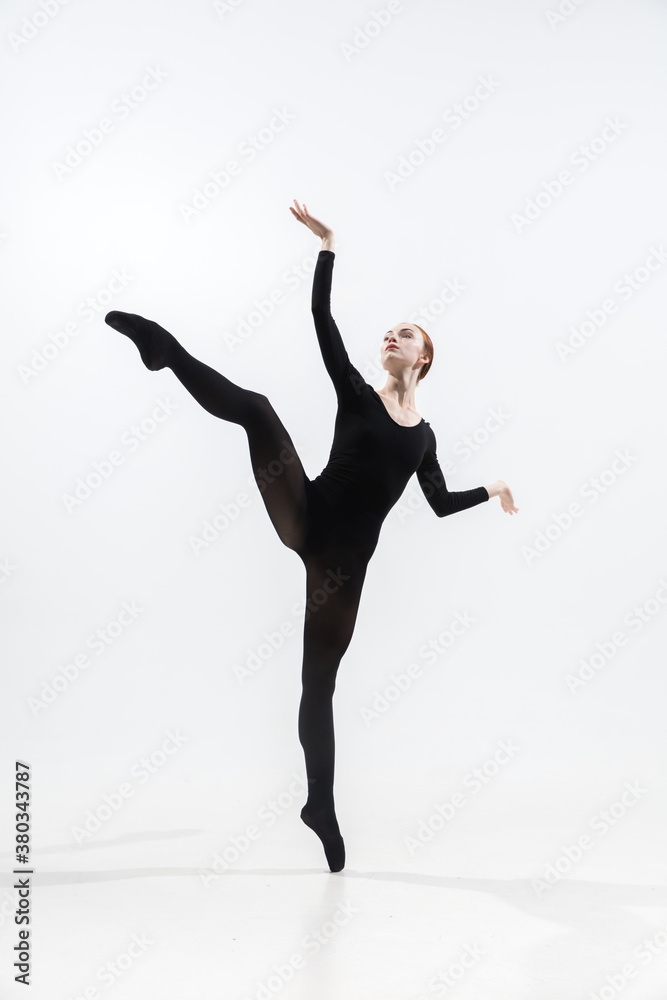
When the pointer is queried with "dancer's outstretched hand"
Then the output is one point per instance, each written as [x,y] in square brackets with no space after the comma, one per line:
[315,226]
[506,498]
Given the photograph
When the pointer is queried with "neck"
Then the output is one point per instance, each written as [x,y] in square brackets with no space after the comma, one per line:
[401,389]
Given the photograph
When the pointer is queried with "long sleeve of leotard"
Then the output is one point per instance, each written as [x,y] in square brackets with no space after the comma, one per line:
[434,487]
[334,355]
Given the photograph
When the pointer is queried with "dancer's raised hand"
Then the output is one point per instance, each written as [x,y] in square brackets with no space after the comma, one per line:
[303,215]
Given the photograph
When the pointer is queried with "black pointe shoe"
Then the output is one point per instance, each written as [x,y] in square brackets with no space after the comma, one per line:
[323,822]
[149,337]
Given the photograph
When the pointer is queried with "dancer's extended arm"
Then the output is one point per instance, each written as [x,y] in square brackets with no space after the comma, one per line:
[433,485]
[443,501]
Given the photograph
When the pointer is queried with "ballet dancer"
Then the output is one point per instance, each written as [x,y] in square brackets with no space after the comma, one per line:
[333,521]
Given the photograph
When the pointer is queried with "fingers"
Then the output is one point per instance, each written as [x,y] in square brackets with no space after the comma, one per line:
[301,213]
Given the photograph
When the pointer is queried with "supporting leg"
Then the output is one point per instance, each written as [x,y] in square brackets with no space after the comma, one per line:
[334,587]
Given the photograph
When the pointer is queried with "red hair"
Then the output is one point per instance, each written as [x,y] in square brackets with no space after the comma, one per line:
[428,350]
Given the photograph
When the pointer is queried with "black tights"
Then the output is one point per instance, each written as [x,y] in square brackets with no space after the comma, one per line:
[335,566]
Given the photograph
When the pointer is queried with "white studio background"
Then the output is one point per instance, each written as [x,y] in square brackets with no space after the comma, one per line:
[494,171]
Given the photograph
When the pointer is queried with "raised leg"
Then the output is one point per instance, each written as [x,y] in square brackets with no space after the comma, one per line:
[276,465]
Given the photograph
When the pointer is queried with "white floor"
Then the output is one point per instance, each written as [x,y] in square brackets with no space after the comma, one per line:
[146,915]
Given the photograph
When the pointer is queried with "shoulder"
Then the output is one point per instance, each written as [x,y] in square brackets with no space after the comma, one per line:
[430,442]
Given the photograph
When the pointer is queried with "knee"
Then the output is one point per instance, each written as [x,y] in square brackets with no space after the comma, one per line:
[319,679]
[323,643]
[261,416]
[260,402]
[320,672]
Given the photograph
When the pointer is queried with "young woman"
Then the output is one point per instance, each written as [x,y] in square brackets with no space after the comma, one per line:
[333,521]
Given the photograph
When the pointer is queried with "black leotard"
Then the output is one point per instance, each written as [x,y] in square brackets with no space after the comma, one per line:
[373,456]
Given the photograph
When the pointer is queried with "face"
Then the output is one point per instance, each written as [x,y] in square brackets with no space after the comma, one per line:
[402,346]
